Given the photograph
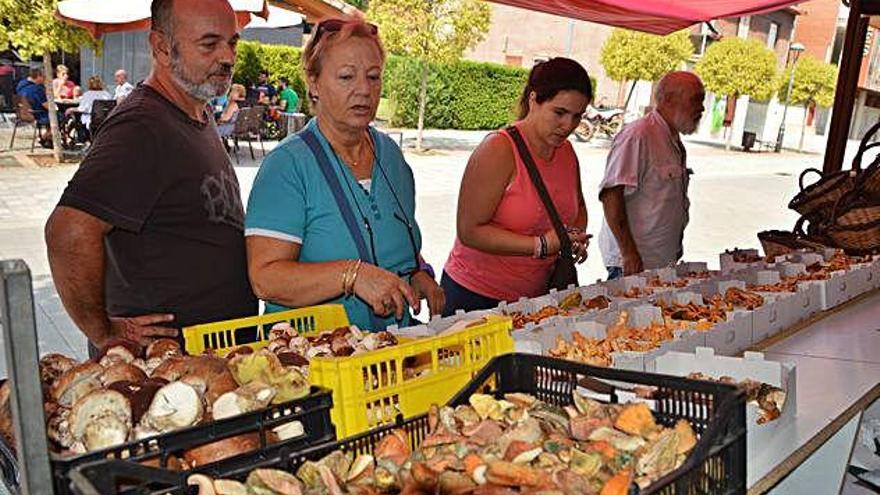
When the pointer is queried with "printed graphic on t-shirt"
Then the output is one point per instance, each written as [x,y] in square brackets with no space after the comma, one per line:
[222,199]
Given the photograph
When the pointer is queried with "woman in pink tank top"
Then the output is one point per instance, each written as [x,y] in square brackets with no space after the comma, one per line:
[506,246]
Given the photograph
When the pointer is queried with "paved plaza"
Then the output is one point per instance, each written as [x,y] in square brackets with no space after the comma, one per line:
[734,195]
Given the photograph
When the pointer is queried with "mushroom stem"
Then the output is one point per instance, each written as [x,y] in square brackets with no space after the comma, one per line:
[205,484]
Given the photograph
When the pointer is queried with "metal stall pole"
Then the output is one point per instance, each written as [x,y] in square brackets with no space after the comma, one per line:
[847,80]
[22,361]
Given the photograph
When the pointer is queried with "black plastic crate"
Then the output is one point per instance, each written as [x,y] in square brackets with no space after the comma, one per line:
[313,411]
[716,411]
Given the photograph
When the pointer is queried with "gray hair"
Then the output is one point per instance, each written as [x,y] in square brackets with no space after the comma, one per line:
[674,83]
[161,17]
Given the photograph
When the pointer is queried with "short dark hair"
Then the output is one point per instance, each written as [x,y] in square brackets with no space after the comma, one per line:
[35,72]
[264,72]
[284,80]
[161,18]
[548,78]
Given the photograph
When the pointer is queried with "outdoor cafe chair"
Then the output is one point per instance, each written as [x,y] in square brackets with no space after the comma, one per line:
[247,127]
[100,111]
[24,115]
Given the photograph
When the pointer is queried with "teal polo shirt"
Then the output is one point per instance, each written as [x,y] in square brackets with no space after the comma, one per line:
[291,201]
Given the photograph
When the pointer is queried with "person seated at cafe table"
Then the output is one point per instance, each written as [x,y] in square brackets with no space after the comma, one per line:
[95,93]
[33,88]
[331,216]
[645,189]
[62,87]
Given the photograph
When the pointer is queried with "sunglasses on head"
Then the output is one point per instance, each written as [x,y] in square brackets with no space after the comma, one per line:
[336,25]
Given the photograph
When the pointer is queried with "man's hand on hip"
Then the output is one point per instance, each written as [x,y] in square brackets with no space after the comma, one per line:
[141,329]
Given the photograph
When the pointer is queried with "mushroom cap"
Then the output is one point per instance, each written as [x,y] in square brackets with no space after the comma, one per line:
[95,405]
[163,348]
[76,382]
[122,372]
[222,449]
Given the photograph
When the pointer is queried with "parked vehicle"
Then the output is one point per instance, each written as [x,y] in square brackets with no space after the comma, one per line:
[608,122]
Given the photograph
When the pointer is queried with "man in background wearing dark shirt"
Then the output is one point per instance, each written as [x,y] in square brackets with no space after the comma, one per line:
[148,236]
[264,89]
[34,89]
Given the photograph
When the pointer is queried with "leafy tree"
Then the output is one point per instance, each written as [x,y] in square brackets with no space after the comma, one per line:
[737,67]
[430,31]
[632,56]
[814,83]
[30,27]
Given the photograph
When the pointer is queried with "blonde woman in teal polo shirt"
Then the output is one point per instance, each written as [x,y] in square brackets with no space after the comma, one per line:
[331,216]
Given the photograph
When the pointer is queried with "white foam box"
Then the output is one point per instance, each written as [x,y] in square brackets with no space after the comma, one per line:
[770,318]
[733,336]
[439,324]
[862,278]
[806,302]
[751,366]
[789,269]
[686,267]
[539,340]
[624,284]
[808,258]
[728,265]
[875,269]
[759,276]
[664,274]
[679,297]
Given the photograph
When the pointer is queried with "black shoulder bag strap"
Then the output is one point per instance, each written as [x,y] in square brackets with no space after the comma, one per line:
[564,241]
[342,203]
[336,188]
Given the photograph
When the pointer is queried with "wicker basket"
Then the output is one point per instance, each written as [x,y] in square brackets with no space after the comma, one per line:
[817,201]
[855,227]
[781,242]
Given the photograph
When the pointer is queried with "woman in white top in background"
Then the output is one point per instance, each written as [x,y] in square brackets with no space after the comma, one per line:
[96,92]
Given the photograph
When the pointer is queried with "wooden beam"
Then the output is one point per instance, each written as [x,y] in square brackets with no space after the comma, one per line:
[847,82]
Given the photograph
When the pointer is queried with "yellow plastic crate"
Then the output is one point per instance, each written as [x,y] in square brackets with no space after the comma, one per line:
[223,336]
[371,389]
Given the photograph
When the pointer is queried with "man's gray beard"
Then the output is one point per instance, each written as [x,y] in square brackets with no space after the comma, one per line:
[201,91]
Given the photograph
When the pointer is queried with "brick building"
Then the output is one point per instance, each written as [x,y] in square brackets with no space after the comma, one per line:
[521,37]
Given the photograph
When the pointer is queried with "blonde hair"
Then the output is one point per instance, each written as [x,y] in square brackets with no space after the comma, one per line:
[237,89]
[351,27]
[62,68]
[95,83]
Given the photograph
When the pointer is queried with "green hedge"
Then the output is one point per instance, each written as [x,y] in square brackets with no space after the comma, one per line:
[462,95]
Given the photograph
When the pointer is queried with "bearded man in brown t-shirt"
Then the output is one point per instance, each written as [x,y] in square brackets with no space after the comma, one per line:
[148,235]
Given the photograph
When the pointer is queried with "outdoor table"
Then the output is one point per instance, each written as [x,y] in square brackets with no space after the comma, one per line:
[838,368]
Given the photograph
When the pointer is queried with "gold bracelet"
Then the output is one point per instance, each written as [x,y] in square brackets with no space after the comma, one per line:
[357,268]
[346,274]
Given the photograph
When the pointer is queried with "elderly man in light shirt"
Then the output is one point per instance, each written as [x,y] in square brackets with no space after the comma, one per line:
[123,87]
[644,191]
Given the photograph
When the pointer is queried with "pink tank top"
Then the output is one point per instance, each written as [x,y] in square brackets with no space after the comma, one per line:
[520,210]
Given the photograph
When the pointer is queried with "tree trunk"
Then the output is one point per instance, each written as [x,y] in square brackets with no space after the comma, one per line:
[423,102]
[621,93]
[731,109]
[804,128]
[53,110]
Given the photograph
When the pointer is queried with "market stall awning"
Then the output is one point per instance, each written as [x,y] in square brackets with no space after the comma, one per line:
[278,18]
[651,16]
[102,16]
[315,10]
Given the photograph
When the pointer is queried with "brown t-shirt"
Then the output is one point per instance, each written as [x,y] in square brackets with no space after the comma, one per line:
[168,188]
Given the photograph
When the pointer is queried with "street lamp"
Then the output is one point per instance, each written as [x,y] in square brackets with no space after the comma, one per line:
[794,51]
